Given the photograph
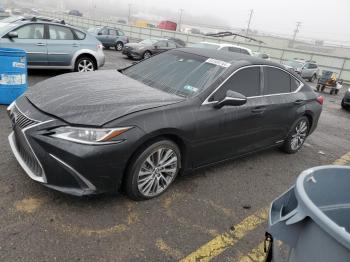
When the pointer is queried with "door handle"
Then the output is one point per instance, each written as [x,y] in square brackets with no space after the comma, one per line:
[41,44]
[299,102]
[259,109]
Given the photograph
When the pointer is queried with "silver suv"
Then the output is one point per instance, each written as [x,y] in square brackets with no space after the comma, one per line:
[51,44]
[306,69]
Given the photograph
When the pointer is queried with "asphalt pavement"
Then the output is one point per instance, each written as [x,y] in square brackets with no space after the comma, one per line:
[187,222]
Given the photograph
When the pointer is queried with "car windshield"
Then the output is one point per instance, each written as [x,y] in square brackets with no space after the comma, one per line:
[294,64]
[206,45]
[149,41]
[177,72]
[6,27]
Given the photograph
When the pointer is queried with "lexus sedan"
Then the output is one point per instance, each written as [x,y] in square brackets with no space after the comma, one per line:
[139,127]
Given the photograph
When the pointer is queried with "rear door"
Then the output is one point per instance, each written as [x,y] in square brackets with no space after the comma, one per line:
[112,37]
[60,45]
[160,46]
[103,37]
[31,38]
[281,103]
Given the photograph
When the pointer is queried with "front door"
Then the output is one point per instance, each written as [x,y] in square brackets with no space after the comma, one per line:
[31,38]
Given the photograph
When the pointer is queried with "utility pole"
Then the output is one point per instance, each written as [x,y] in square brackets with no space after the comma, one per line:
[129,14]
[180,19]
[249,21]
[295,33]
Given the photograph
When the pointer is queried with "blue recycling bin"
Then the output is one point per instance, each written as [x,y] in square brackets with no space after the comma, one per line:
[13,74]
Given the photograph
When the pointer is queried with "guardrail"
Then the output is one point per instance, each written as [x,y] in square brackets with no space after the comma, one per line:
[340,65]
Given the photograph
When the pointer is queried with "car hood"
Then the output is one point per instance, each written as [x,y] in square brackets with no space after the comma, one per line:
[96,98]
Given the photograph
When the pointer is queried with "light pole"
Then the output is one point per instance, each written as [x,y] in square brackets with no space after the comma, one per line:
[180,19]
[129,13]
[295,33]
[249,21]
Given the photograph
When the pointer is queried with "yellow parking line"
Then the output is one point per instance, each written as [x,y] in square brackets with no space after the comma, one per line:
[228,239]
[169,251]
[257,254]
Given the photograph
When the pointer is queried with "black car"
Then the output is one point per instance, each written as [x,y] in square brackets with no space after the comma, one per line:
[148,47]
[138,127]
[345,103]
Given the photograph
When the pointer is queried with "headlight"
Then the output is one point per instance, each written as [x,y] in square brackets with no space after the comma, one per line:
[93,136]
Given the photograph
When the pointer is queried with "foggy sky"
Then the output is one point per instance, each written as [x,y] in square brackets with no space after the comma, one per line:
[321,19]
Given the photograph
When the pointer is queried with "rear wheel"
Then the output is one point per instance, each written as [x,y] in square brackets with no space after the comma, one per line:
[119,46]
[153,170]
[84,64]
[313,78]
[297,136]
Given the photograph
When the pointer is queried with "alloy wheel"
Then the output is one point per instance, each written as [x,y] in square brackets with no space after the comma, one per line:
[147,55]
[299,135]
[119,46]
[157,172]
[85,65]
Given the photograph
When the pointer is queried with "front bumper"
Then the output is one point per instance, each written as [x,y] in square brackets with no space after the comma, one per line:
[72,168]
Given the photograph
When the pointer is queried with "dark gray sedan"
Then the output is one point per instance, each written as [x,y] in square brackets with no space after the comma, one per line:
[146,48]
[345,103]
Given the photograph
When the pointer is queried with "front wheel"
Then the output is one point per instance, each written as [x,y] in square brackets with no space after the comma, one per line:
[84,64]
[153,170]
[297,136]
[147,55]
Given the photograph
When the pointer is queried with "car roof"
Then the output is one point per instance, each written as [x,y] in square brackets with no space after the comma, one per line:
[229,57]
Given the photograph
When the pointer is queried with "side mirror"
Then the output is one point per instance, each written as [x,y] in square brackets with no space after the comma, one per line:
[232,99]
[12,34]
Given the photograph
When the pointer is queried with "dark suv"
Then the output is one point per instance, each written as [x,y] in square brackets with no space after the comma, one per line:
[110,37]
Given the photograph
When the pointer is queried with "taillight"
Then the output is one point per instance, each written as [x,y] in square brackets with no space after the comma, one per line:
[320,100]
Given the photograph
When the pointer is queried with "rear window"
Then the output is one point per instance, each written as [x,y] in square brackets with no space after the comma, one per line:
[176,72]
[80,35]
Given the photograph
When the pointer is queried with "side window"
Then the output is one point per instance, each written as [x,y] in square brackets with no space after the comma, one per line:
[121,33]
[276,81]
[245,81]
[171,44]
[234,49]
[60,33]
[243,51]
[225,48]
[294,84]
[32,31]
[104,31]
[312,66]
[161,44]
[80,35]
[112,32]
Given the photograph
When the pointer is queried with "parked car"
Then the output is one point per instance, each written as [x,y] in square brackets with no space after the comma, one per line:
[345,103]
[178,41]
[261,55]
[174,112]
[167,25]
[307,69]
[110,37]
[224,47]
[146,48]
[75,13]
[53,45]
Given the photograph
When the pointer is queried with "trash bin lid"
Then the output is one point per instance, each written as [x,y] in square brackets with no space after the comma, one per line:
[323,194]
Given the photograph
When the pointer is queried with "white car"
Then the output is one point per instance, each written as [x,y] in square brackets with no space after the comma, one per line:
[224,47]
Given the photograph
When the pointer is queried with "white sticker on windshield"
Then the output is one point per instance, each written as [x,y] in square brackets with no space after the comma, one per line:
[191,88]
[218,62]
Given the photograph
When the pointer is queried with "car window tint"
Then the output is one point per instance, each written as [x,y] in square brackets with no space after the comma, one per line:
[121,33]
[80,35]
[32,31]
[161,44]
[171,44]
[312,66]
[112,32]
[276,81]
[60,33]
[104,31]
[225,48]
[234,49]
[245,82]
[243,51]
[294,84]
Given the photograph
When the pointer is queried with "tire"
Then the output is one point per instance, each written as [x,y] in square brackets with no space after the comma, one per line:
[318,88]
[332,91]
[154,180]
[313,78]
[119,46]
[323,88]
[343,104]
[296,136]
[84,64]
[336,91]
[147,55]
